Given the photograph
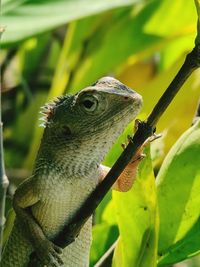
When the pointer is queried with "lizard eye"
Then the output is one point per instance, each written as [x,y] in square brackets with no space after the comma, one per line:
[89,103]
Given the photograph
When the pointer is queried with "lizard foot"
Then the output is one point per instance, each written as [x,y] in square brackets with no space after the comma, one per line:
[139,156]
[48,254]
[126,179]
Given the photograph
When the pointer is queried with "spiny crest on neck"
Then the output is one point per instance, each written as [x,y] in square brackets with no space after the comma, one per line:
[48,109]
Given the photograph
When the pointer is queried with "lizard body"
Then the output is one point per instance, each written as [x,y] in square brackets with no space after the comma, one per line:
[80,129]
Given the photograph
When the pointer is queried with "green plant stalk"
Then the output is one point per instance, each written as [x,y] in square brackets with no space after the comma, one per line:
[3,188]
[3,178]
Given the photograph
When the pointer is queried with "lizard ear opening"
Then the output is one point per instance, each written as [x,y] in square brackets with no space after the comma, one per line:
[66,131]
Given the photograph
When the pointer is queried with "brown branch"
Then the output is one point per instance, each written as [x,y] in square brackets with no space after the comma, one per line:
[145,130]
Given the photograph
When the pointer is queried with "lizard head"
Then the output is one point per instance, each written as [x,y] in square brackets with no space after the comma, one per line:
[95,115]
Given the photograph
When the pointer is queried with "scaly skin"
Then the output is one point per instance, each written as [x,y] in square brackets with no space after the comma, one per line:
[79,130]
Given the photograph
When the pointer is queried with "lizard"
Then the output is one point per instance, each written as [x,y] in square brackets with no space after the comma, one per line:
[79,131]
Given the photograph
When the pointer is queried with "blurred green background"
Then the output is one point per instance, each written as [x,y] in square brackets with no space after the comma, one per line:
[51,48]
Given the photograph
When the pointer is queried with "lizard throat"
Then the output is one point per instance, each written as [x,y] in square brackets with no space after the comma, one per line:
[79,156]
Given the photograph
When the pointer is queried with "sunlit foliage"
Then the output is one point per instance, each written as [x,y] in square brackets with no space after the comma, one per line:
[51,48]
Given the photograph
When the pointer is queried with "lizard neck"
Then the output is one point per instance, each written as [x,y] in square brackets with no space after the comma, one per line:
[74,157]
[77,155]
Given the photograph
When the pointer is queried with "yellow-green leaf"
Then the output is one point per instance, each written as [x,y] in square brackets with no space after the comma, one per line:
[137,219]
[178,185]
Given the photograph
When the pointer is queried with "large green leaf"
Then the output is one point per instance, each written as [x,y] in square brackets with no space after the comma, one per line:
[178,185]
[178,116]
[180,33]
[163,23]
[137,220]
[120,37]
[25,18]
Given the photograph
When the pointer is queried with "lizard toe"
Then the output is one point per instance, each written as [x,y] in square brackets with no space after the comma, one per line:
[48,254]
[58,249]
[57,258]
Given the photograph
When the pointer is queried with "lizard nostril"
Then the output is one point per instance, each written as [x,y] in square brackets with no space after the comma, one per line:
[126,98]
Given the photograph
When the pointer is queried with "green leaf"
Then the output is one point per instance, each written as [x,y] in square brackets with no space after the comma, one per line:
[163,23]
[118,257]
[137,220]
[24,19]
[175,49]
[186,248]
[178,184]
[104,235]
[99,212]
[117,149]
[114,43]
[197,3]
[109,215]
[180,33]
[172,126]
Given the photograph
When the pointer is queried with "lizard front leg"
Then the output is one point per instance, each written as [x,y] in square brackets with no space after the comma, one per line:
[30,230]
[126,179]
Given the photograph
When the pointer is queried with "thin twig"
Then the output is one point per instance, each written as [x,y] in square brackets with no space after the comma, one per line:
[107,257]
[3,178]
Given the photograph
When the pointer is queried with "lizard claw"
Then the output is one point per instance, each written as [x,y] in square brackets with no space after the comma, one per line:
[123,145]
[129,139]
[151,139]
[137,122]
[154,137]
[49,254]
[139,158]
[57,249]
